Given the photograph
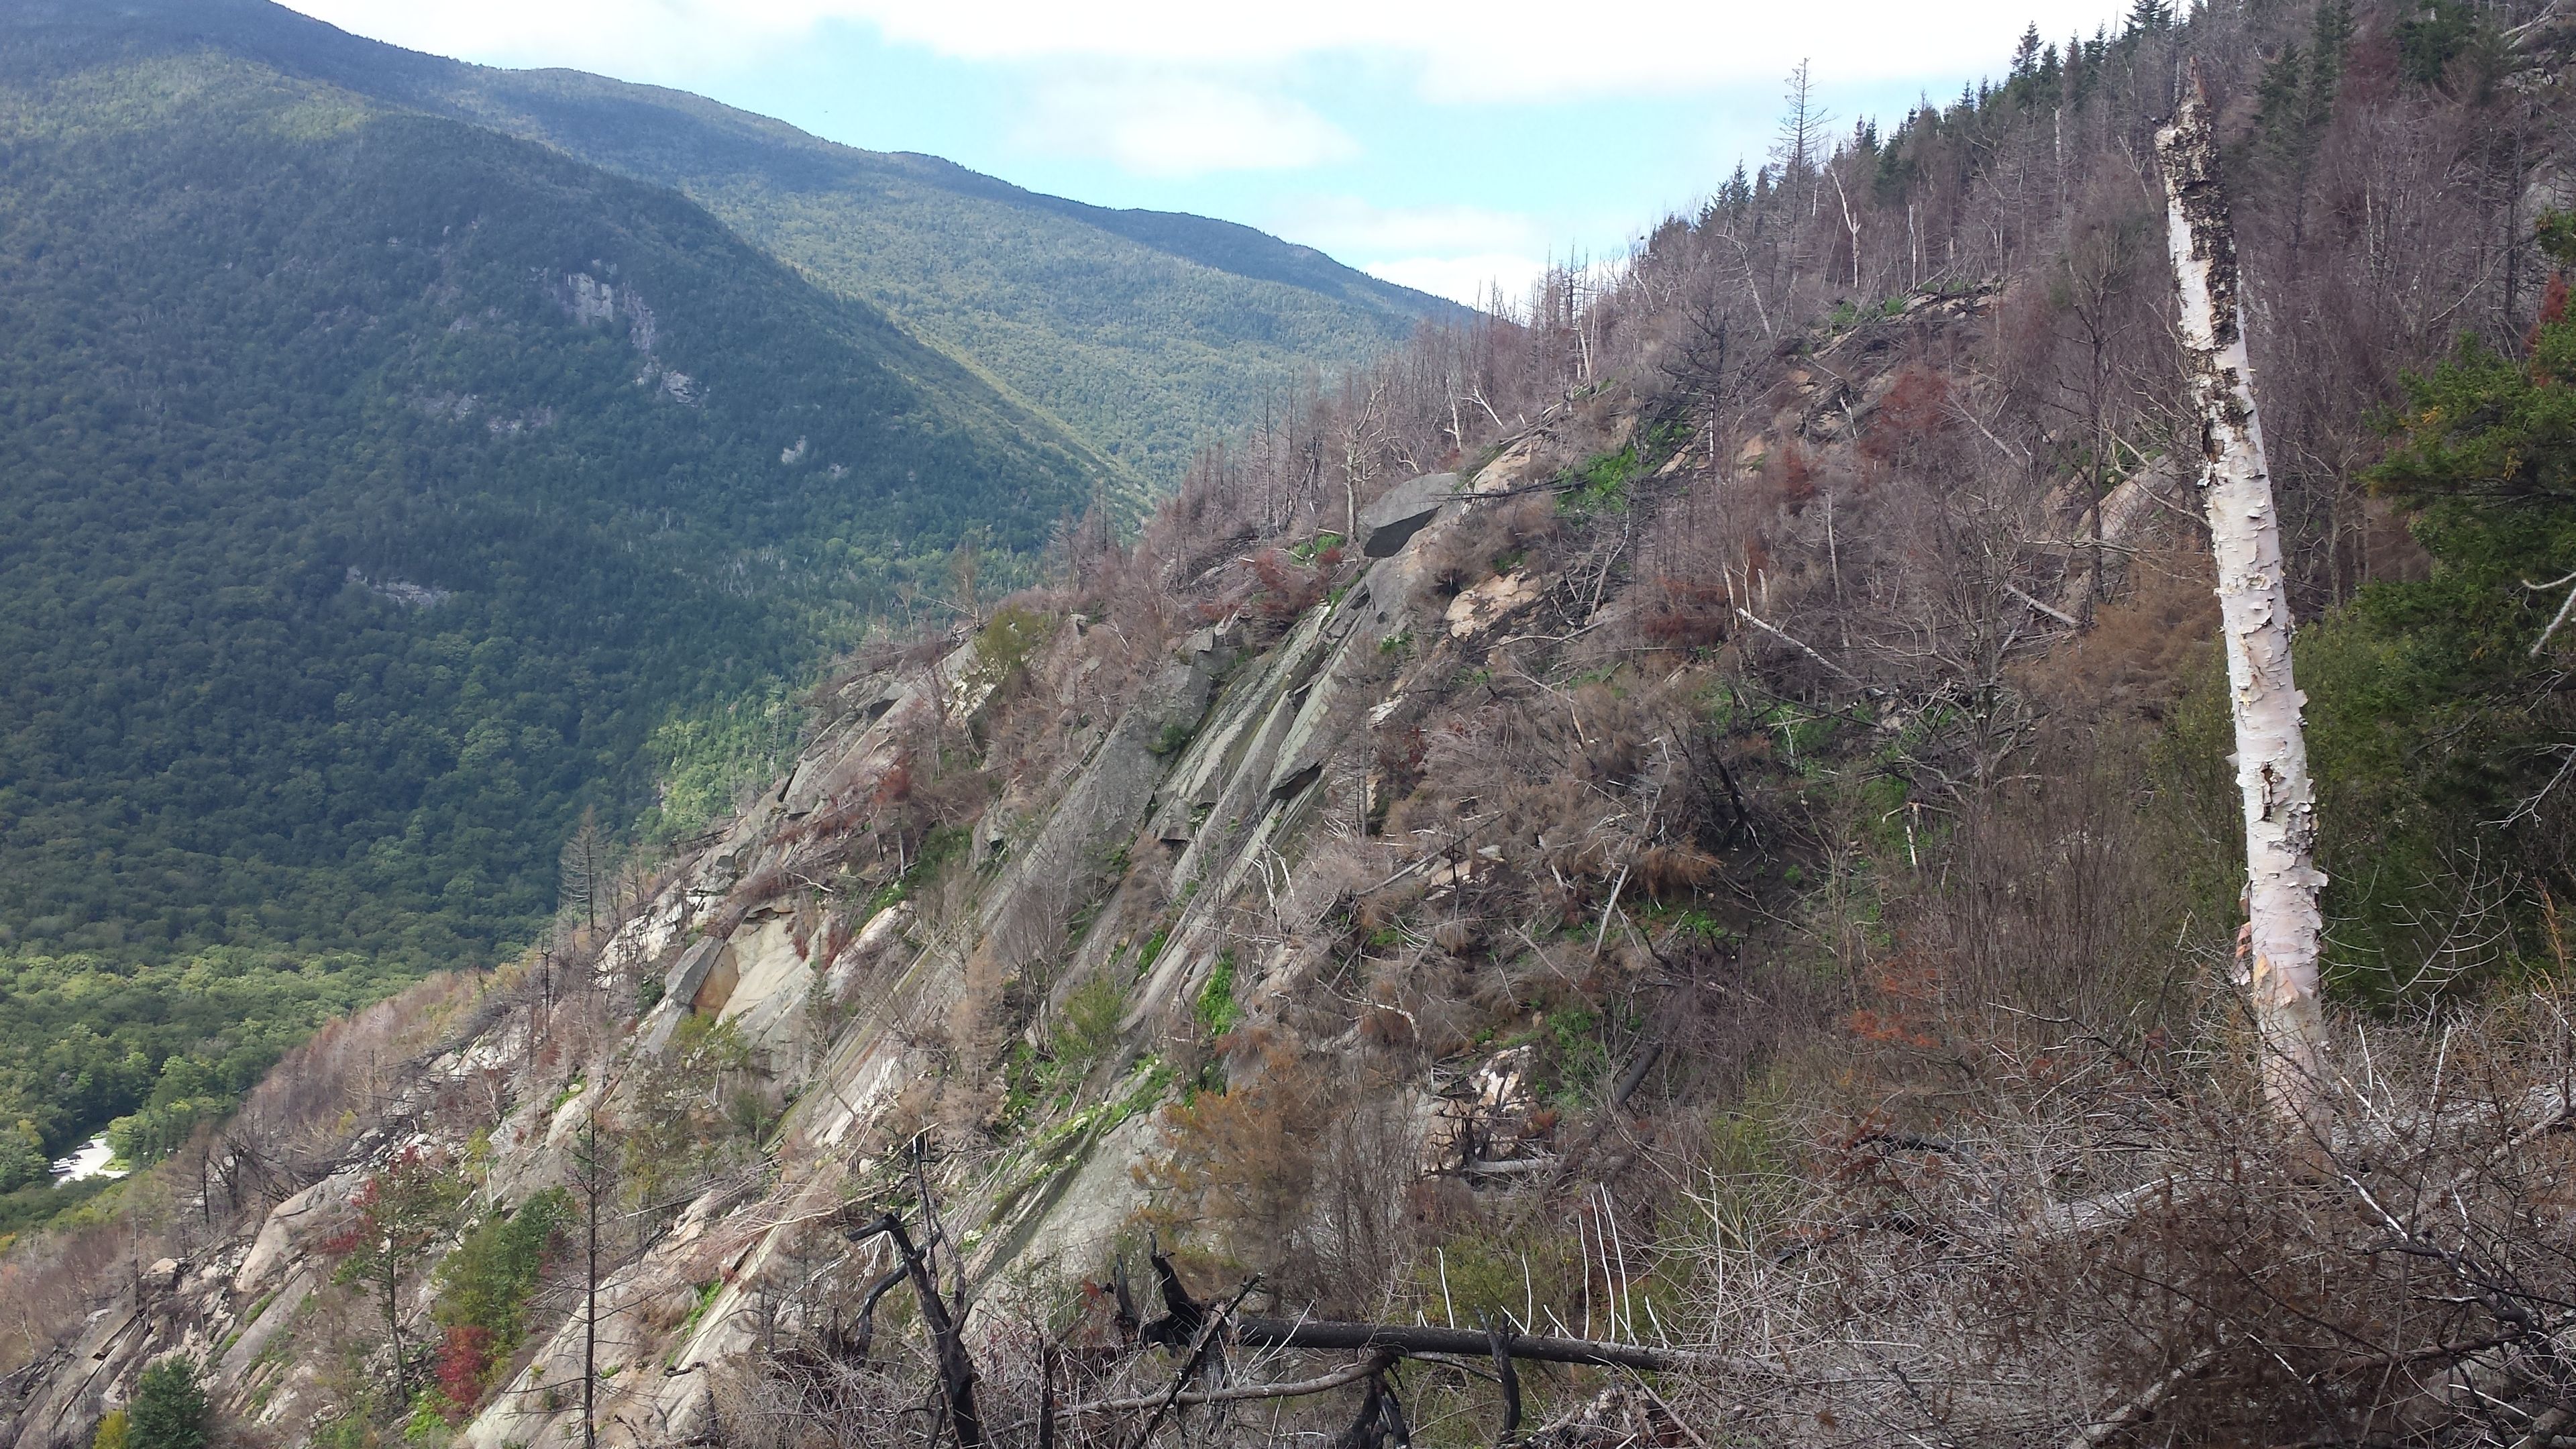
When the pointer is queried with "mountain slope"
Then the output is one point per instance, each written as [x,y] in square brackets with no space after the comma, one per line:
[372,485]
[1148,332]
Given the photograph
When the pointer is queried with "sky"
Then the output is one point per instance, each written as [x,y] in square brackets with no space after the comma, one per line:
[1448,145]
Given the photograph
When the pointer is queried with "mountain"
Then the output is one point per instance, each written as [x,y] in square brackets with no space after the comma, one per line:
[372,485]
[394,465]
[1147,332]
[1729,900]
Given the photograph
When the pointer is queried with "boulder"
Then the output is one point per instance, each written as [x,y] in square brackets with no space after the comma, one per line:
[1400,512]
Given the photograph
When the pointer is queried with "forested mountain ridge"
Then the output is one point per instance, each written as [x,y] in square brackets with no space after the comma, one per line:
[372,487]
[1149,333]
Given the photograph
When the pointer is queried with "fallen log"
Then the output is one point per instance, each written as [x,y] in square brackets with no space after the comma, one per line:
[1308,1333]
[1236,1393]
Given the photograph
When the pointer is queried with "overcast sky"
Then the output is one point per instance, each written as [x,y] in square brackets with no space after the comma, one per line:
[1441,143]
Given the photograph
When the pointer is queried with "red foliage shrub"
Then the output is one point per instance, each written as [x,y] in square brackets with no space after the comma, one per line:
[895,784]
[1688,614]
[1284,591]
[1793,476]
[464,1357]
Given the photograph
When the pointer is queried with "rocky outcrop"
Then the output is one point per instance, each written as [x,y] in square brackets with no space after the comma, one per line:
[1200,797]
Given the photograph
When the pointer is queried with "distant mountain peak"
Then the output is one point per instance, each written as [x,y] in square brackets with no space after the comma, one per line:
[1187,327]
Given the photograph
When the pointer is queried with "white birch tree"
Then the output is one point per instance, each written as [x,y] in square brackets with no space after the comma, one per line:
[2283,925]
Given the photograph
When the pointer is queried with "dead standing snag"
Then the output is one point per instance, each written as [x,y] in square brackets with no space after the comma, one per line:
[956,1367]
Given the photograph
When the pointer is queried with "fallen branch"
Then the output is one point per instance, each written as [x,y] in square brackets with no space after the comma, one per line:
[2565,606]
[2099,1432]
[2060,615]
[1748,616]
[1211,1331]
[1298,1388]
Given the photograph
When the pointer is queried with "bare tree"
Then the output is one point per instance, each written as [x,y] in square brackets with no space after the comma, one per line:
[588,870]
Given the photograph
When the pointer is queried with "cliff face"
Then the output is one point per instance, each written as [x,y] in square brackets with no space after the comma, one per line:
[1197,791]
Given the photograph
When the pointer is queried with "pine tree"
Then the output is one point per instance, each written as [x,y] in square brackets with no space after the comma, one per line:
[1738,191]
[2328,37]
[169,1409]
[2277,95]
[2149,17]
[2295,102]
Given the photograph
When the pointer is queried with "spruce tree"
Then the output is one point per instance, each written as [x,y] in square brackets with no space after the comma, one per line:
[169,1408]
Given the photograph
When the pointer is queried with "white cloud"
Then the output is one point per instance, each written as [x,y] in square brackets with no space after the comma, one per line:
[1180,126]
[1465,279]
[1459,50]
[1348,226]
[1458,252]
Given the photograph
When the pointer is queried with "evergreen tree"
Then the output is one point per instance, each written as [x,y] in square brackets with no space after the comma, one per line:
[404,1212]
[2277,95]
[2438,718]
[2295,101]
[2149,17]
[1737,193]
[2435,34]
[169,1409]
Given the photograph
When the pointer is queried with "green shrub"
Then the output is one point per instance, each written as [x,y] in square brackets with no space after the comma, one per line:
[1218,1011]
[1174,739]
[1090,1029]
[485,1283]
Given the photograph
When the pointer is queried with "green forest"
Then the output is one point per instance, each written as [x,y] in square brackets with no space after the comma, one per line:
[373,488]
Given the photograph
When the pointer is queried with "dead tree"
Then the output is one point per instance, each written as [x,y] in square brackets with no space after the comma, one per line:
[2282,879]
[945,1326]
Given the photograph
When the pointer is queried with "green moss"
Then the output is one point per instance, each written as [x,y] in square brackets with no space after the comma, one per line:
[1152,949]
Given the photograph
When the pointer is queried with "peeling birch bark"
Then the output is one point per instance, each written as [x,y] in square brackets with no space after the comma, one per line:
[2282,880]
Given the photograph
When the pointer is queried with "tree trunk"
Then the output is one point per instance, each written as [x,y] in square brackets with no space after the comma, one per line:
[2254,606]
[393,1326]
[590,1280]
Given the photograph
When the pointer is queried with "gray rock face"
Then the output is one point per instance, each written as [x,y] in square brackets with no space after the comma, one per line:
[689,975]
[1400,513]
